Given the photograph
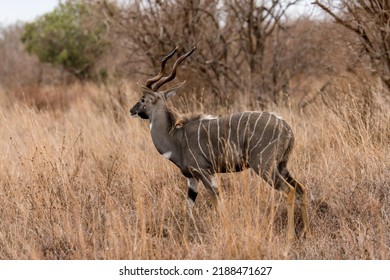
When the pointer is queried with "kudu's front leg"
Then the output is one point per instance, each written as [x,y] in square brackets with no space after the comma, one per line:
[211,184]
[209,181]
[192,193]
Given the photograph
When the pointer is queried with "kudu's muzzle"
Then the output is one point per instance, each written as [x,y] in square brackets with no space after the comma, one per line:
[137,110]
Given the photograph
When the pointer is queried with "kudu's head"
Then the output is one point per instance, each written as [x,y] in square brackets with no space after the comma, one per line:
[151,98]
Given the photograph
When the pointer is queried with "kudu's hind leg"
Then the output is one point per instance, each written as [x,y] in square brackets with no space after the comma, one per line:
[283,185]
[302,195]
[276,180]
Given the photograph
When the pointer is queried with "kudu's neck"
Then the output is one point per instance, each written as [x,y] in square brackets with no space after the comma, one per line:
[161,124]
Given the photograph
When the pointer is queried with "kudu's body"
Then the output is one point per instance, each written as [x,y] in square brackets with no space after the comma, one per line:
[203,145]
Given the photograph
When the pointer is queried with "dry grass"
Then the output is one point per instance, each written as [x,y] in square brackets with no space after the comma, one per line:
[82,183]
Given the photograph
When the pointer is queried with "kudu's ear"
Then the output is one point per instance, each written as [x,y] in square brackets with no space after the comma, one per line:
[146,91]
[171,92]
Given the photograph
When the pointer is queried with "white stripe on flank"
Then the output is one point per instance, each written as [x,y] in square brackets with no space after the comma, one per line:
[254,128]
[217,135]
[246,125]
[230,128]
[262,134]
[193,156]
[272,138]
[210,144]
[200,147]
[273,141]
[238,129]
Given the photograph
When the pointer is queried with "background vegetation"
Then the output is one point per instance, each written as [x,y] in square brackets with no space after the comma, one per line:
[80,179]
[67,37]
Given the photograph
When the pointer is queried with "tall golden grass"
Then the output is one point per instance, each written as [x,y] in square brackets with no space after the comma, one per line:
[84,181]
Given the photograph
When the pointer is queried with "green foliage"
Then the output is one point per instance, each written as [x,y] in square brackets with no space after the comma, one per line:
[70,36]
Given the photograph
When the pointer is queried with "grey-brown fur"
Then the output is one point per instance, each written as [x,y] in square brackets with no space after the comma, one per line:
[202,145]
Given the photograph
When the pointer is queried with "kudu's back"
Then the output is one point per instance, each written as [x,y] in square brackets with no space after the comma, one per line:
[235,142]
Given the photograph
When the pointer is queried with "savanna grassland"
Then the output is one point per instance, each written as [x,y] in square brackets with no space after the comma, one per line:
[81,179]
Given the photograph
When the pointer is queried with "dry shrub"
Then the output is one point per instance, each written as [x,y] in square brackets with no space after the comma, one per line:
[242,45]
[18,69]
[370,22]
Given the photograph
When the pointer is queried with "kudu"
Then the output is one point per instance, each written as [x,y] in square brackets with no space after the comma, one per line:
[202,145]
